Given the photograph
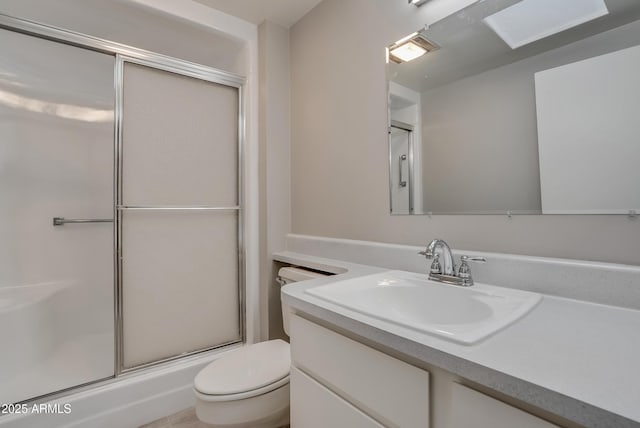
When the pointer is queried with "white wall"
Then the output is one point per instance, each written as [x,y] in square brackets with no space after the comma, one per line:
[339,149]
[275,173]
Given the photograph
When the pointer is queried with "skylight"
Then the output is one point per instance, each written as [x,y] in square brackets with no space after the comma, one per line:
[531,20]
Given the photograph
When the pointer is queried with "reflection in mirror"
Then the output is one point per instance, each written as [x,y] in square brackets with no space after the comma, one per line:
[548,126]
[400,167]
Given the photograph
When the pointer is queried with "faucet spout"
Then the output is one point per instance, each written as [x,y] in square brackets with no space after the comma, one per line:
[446,271]
[448,265]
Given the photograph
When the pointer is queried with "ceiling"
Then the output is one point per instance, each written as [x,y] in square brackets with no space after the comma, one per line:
[283,12]
[469,47]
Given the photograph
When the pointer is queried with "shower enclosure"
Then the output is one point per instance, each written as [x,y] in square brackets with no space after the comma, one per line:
[400,167]
[120,210]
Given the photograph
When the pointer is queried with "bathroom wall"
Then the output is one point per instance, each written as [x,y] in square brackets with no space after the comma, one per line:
[339,148]
[275,176]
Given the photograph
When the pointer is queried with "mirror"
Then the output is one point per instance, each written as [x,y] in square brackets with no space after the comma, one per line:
[549,126]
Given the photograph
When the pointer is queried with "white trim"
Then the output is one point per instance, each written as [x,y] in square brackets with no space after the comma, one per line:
[205,16]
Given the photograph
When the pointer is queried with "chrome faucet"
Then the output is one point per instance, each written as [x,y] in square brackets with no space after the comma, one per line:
[446,272]
[449,267]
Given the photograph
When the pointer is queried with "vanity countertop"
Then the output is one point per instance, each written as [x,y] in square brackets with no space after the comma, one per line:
[575,359]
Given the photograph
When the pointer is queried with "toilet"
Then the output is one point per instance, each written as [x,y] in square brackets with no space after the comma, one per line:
[249,387]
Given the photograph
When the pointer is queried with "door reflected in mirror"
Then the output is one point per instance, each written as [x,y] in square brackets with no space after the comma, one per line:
[547,127]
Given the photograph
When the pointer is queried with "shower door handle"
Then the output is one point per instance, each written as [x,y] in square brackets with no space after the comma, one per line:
[403,183]
[61,221]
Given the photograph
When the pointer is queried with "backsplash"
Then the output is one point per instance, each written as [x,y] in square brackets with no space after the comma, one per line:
[604,283]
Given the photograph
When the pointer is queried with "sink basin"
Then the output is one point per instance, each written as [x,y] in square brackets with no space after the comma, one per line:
[461,314]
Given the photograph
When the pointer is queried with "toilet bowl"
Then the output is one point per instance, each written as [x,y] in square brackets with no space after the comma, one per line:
[249,387]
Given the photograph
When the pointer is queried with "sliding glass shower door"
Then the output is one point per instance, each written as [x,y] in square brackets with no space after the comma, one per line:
[179,214]
[56,216]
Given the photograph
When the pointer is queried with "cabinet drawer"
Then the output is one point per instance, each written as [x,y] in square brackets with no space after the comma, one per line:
[469,408]
[314,406]
[391,391]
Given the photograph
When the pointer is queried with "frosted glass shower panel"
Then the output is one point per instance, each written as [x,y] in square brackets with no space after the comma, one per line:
[180,276]
[56,160]
[179,139]
[179,216]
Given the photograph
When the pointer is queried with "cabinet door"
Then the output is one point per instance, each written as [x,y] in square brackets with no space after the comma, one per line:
[390,390]
[469,408]
[314,406]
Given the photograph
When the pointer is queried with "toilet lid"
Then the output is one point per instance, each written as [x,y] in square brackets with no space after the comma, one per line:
[246,369]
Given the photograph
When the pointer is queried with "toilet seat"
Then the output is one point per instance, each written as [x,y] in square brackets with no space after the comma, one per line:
[246,372]
[242,395]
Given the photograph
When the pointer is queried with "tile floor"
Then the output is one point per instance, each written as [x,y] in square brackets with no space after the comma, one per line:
[184,419]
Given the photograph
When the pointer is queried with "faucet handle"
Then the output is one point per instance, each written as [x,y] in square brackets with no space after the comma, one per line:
[464,272]
[435,266]
[426,254]
[479,259]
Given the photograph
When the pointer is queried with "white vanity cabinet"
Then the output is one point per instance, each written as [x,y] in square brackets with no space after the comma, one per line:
[339,382]
[470,408]
[389,391]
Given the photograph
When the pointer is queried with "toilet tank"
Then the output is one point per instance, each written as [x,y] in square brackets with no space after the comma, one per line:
[287,275]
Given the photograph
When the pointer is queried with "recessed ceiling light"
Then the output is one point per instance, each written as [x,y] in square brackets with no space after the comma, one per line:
[408,51]
[531,20]
[409,48]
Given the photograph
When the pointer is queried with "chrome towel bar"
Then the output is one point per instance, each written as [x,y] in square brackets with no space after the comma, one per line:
[174,208]
[61,221]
